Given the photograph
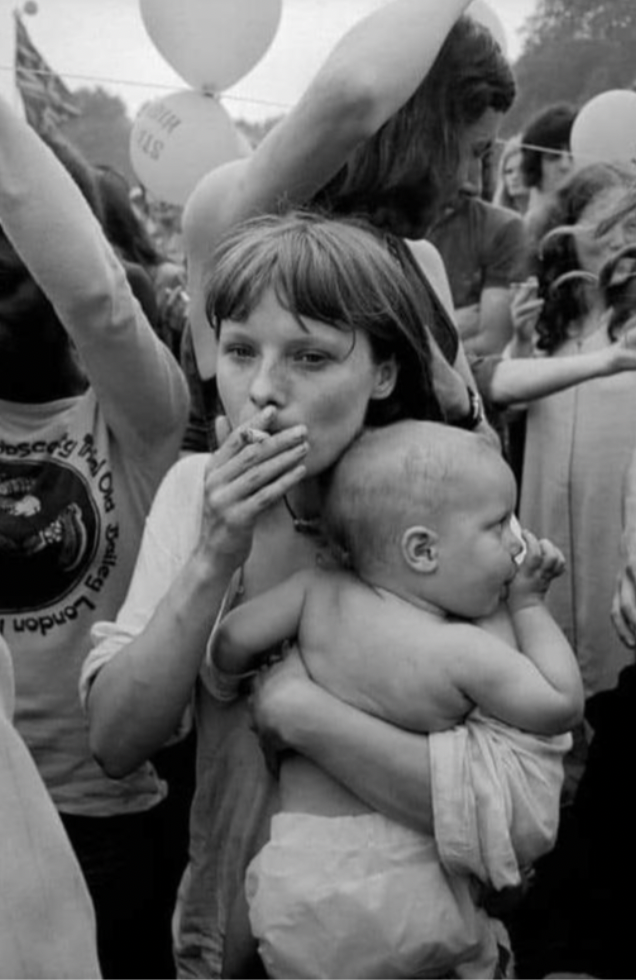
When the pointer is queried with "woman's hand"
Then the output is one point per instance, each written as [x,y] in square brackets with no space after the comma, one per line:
[281,693]
[624,602]
[525,309]
[251,471]
[622,354]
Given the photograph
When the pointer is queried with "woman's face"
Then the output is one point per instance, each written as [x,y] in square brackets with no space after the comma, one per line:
[555,169]
[475,144]
[593,250]
[314,374]
[513,177]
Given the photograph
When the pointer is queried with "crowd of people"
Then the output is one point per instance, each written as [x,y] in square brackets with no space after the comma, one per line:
[318,529]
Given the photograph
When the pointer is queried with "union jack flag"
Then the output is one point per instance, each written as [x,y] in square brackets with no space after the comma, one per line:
[47,100]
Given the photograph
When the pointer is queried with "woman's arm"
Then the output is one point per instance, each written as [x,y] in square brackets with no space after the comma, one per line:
[526,379]
[489,794]
[137,698]
[42,211]
[385,766]
[370,74]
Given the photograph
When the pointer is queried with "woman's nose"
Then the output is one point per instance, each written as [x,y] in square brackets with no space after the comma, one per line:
[268,385]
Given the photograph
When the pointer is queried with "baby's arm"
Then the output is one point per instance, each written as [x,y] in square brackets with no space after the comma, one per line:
[251,629]
[540,691]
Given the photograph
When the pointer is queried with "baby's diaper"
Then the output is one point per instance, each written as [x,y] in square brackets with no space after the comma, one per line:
[358,897]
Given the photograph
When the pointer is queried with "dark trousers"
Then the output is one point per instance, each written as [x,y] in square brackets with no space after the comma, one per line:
[132,865]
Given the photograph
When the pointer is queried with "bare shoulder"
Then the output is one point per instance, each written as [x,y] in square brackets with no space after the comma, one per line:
[431,262]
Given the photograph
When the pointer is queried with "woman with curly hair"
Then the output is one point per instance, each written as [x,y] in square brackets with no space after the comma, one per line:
[579,441]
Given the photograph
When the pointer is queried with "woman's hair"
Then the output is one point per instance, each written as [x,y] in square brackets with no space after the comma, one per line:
[124,230]
[502,197]
[617,283]
[547,133]
[339,272]
[563,291]
[407,167]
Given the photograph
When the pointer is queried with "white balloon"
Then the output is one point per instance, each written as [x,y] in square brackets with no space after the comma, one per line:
[484,14]
[211,43]
[604,130]
[176,140]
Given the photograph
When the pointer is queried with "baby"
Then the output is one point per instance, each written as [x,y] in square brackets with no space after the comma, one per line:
[421,515]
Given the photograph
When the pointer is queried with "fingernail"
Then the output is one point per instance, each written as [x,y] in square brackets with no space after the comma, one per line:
[298,432]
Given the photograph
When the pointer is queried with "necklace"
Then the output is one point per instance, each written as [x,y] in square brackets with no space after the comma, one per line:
[301,524]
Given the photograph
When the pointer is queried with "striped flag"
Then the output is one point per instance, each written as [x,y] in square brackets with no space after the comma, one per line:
[47,100]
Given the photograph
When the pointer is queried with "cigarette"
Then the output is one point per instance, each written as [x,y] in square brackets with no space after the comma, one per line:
[249,436]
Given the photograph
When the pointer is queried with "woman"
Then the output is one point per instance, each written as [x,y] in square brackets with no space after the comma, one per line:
[92,410]
[511,191]
[579,441]
[318,332]
[388,130]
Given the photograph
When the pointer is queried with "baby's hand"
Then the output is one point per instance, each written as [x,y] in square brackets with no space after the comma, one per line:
[542,563]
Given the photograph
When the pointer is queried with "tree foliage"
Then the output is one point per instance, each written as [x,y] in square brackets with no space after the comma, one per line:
[573,49]
[102,130]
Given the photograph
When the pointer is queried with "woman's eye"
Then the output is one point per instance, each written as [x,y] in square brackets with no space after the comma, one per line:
[239,352]
[311,358]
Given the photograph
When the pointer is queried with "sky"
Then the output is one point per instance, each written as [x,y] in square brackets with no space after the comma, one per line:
[104,42]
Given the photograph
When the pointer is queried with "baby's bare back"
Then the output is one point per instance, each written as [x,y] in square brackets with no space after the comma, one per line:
[380,654]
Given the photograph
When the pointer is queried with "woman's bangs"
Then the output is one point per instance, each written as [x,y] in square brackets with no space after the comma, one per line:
[309,283]
[238,284]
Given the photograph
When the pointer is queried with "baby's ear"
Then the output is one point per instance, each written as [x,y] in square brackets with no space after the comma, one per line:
[420,549]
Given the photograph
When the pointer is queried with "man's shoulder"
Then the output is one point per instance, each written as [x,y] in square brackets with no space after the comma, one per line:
[493,216]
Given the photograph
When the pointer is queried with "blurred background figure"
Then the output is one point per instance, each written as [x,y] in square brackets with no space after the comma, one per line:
[127,232]
[510,190]
[546,160]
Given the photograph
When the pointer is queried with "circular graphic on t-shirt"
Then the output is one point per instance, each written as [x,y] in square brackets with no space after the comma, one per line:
[49,529]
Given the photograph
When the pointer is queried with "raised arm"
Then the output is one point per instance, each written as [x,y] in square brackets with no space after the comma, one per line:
[55,233]
[140,677]
[370,74]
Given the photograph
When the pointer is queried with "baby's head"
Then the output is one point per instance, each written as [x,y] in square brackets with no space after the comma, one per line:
[424,510]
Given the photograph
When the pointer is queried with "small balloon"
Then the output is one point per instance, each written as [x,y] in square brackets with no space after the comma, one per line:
[604,130]
[484,14]
[176,140]
[211,44]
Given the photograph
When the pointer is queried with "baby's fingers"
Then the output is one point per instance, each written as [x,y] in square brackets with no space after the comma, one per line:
[552,559]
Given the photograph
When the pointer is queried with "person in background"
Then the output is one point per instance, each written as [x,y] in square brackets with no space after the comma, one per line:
[390,144]
[575,919]
[579,439]
[546,160]
[129,236]
[484,250]
[92,410]
[510,190]
[47,924]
